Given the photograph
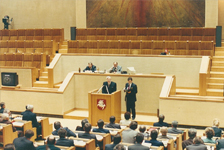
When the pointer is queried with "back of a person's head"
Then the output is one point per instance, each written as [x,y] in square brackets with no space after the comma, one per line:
[112,119]
[117,138]
[57,125]
[192,133]
[161,117]
[142,129]
[29,134]
[163,130]
[9,147]
[84,121]
[62,133]
[87,127]
[100,123]
[29,107]
[127,115]
[139,137]
[2,104]
[154,134]
[216,122]
[51,140]
[133,125]
[119,147]
[175,124]
[197,140]
[209,132]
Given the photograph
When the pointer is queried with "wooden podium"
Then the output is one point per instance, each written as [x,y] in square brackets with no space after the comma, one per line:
[102,106]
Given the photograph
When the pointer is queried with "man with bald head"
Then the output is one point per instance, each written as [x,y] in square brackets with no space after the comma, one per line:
[161,122]
[50,144]
[109,86]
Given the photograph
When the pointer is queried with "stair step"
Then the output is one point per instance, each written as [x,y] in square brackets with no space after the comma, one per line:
[218,58]
[187,91]
[44,73]
[215,85]
[63,51]
[43,78]
[63,46]
[65,42]
[216,80]
[57,86]
[217,68]
[45,69]
[215,92]
[219,48]
[40,84]
[217,63]
[217,74]
[219,53]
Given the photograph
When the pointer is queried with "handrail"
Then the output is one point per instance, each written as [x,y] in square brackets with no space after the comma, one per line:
[169,87]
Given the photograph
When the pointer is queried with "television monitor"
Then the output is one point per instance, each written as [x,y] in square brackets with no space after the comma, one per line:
[131,70]
[9,78]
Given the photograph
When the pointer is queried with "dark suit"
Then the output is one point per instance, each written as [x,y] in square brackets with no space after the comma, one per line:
[65,142]
[79,128]
[175,131]
[186,143]
[30,116]
[92,69]
[43,147]
[117,69]
[69,132]
[22,143]
[130,98]
[155,142]
[160,124]
[110,146]
[101,130]
[138,147]
[113,125]
[111,88]
[218,132]
[196,147]
[220,144]
[88,136]
[2,110]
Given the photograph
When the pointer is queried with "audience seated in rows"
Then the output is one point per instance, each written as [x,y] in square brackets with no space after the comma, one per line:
[192,134]
[154,141]
[126,121]
[112,123]
[100,128]
[9,147]
[174,129]
[142,130]
[28,115]
[138,146]
[129,134]
[198,144]
[58,126]
[215,127]
[87,134]
[161,122]
[24,143]
[50,144]
[81,128]
[119,147]
[164,131]
[63,141]
[117,140]
[209,132]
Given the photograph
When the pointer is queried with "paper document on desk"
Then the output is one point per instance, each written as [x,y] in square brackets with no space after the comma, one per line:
[79,142]
[146,144]
[39,118]
[18,118]
[113,132]
[165,142]
[19,124]
[99,137]
[123,127]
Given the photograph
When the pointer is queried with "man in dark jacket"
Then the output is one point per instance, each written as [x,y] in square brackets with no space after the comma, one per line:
[109,86]
[50,144]
[174,129]
[62,141]
[90,67]
[57,126]
[112,123]
[100,124]
[161,122]
[24,143]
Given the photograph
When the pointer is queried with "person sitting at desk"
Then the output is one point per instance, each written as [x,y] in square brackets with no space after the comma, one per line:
[62,141]
[174,129]
[109,86]
[117,140]
[28,115]
[142,130]
[100,124]
[112,123]
[161,123]
[90,67]
[9,147]
[119,147]
[24,111]
[127,116]
[192,134]
[220,144]
[129,134]
[3,110]
[209,132]
[50,144]
[154,141]
[58,126]
[215,127]
[24,143]
[87,134]
[164,131]
[81,128]
[198,144]
[115,68]
[138,146]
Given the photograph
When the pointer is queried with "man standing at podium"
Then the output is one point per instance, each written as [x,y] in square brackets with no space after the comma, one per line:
[109,86]
[130,97]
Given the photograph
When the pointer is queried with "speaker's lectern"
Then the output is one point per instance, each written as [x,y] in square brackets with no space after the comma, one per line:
[102,106]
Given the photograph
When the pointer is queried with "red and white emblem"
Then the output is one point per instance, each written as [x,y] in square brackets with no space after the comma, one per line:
[101,104]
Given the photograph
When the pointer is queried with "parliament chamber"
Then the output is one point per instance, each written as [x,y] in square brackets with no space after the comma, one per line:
[175,58]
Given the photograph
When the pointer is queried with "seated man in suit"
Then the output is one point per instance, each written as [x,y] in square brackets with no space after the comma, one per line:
[100,124]
[115,68]
[119,147]
[117,140]
[164,131]
[81,128]
[50,144]
[220,144]
[129,134]
[28,115]
[192,134]
[138,146]
[112,123]
[174,129]
[62,141]
[209,132]
[215,127]
[87,135]
[24,143]
[197,144]
[127,116]
[9,147]
[161,123]
[154,141]
[58,126]
[142,130]
[109,86]
[90,67]
[3,110]
[24,111]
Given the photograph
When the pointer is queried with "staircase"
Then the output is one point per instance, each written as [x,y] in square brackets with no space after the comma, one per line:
[63,48]
[43,79]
